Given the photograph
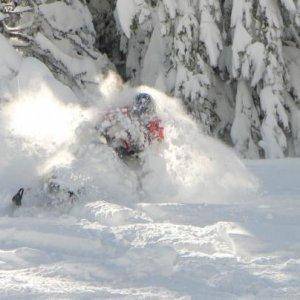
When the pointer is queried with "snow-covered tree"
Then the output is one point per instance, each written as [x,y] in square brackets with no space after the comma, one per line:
[199,50]
[245,128]
[234,63]
[41,29]
[257,56]
[175,46]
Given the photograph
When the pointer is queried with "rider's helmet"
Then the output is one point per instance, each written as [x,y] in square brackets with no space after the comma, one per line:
[143,104]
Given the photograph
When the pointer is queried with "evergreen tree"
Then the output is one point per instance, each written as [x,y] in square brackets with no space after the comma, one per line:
[205,51]
[40,28]
[257,56]
[234,63]
[175,46]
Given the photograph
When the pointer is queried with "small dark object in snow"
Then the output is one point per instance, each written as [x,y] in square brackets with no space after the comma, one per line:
[17,198]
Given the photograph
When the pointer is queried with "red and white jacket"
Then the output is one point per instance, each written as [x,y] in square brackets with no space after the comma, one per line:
[123,130]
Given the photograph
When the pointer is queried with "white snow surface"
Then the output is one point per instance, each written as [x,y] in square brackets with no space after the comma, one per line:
[191,222]
[126,11]
[78,16]
[159,251]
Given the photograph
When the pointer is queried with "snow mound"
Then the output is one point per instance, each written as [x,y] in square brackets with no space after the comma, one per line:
[110,214]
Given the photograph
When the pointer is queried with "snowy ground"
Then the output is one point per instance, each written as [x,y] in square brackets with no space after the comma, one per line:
[160,251]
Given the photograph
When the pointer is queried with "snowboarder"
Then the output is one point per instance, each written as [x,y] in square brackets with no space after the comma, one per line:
[129,130]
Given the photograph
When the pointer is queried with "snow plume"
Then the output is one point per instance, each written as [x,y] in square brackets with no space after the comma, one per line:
[188,166]
[38,121]
[110,85]
[47,133]
[41,120]
[58,143]
[40,112]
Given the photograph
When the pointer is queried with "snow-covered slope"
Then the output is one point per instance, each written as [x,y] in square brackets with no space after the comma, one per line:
[159,251]
[190,222]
